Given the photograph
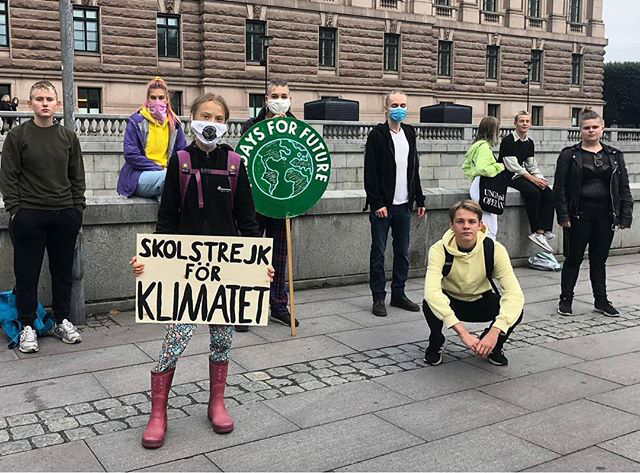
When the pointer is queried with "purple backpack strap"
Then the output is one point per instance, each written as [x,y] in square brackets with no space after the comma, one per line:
[233,166]
[184,173]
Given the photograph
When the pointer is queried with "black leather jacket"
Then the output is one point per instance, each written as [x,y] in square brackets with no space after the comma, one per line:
[568,181]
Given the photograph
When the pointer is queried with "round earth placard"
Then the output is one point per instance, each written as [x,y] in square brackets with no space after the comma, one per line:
[289,166]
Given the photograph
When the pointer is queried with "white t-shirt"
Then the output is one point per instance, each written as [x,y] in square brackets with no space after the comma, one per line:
[401,146]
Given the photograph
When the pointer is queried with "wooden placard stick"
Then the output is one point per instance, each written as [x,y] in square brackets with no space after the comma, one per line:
[292,306]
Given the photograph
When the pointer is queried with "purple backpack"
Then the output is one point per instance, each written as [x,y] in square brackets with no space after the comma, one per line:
[186,171]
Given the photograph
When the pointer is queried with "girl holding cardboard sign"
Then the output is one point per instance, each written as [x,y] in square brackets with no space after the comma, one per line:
[217,202]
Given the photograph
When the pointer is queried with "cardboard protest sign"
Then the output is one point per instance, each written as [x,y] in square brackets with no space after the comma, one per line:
[203,280]
[289,166]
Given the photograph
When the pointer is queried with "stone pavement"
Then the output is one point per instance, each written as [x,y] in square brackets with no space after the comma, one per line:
[351,392]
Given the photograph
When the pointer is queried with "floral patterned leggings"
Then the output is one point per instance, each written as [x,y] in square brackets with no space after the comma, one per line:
[178,336]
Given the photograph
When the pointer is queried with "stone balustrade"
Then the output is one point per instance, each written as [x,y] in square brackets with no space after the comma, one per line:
[441,148]
[331,242]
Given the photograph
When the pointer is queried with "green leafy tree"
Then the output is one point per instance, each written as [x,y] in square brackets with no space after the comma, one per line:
[622,94]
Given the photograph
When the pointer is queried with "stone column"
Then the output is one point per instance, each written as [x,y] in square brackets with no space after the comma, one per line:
[515,12]
[594,19]
[557,15]
[469,11]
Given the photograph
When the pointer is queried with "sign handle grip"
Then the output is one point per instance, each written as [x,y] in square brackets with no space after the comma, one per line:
[292,306]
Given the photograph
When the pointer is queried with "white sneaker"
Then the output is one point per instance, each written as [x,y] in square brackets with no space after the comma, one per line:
[66,332]
[541,241]
[549,236]
[28,340]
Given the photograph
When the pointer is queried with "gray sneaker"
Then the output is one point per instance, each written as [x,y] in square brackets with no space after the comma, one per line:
[28,340]
[66,332]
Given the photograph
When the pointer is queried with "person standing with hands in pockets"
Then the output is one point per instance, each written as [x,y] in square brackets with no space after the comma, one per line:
[592,198]
[42,183]
[392,184]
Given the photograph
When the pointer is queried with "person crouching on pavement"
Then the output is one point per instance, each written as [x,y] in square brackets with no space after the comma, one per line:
[218,215]
[458,287]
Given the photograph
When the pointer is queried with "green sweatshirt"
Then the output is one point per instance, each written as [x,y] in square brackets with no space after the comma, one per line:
[479,161]
[41,168]
[467,280]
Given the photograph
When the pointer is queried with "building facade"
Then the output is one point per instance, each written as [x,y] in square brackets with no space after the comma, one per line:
[471,52]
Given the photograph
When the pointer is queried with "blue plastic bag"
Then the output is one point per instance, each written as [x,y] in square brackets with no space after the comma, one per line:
[10,324]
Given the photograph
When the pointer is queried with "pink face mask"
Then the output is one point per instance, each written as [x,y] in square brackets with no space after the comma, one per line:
[158,110]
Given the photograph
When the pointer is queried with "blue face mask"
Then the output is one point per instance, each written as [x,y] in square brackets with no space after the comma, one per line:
[397,114]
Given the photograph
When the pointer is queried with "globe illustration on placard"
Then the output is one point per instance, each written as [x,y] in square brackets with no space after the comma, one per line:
[282,168]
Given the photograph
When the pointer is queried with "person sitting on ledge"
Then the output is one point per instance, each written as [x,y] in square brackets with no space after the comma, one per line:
[153,134]
[459,287]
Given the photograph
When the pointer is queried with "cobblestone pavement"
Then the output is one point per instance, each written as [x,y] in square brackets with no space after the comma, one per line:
[363,350]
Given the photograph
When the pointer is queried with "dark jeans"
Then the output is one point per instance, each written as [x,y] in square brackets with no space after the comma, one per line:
[399,220]
[485,309]
[592,229]
[275,228]
[538,203]
[31,232]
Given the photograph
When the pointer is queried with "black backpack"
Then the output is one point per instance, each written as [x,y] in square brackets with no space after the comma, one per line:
[488,247]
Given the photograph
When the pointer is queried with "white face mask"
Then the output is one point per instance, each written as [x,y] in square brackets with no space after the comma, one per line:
[277,106]
[208,134]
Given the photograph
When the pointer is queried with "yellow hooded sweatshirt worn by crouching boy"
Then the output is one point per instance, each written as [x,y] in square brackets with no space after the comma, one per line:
[467,280]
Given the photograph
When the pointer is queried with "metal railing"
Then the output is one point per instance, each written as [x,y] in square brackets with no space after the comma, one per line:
[114,126]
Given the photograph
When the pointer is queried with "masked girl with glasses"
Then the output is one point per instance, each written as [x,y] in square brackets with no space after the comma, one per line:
[208,209]
[592,198]
[153,134]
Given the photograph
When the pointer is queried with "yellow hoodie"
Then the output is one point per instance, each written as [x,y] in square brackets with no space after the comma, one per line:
[158,139]
[467,280]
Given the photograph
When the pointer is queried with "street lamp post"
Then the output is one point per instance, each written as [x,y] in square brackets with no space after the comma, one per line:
[265,60]
[527,80]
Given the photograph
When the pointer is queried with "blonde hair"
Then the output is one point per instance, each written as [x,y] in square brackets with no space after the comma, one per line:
[393,92]
[488,130]
[587,113]
[42,85]
[467,204]
[6,98]
[521,113]
[159,83]
[210,97]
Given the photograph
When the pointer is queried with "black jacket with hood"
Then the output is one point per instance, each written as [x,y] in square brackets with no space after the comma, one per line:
[380,168]
[220,216]
[568,182]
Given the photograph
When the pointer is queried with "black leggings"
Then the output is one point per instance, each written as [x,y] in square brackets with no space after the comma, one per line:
[485,309]
[595,231]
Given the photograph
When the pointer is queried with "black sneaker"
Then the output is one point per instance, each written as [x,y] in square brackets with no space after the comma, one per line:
[433,353]
[496,357]
[283,318]
[241,328]
[564,306]
[605,308]
[378,309]
[403,302]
